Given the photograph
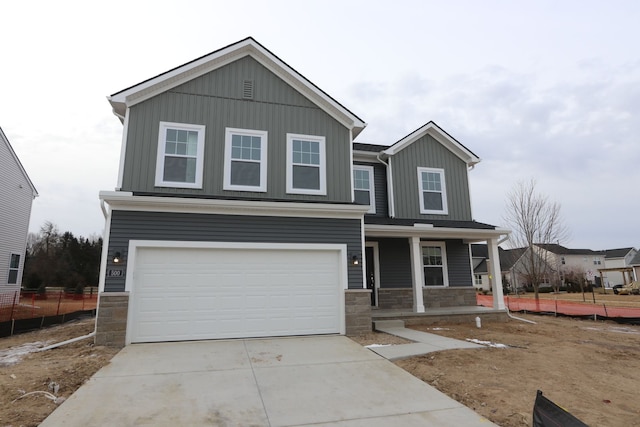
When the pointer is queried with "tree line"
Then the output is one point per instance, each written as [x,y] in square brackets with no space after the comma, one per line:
[61,260]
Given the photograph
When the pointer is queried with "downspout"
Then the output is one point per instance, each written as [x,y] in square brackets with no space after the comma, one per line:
[504,239]
[391,204]
[91,334]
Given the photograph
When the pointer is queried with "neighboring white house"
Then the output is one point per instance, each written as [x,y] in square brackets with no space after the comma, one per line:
[565,261]
[16,196]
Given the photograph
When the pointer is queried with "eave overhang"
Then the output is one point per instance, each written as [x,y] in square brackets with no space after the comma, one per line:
[468,235]
[140,92]
[126,201]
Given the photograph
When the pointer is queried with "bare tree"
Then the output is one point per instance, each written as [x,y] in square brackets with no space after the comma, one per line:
[534,220]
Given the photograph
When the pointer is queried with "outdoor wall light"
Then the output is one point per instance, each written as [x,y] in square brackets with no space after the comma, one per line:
[117,257]
[355,260]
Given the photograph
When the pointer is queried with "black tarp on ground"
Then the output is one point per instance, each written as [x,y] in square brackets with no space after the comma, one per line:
[548,414]
[13,327]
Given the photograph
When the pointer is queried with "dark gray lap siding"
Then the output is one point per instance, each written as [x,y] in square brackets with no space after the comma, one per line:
[128,225]
[395,263]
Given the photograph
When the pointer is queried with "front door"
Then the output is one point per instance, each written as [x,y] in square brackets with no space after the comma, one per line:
[370,271]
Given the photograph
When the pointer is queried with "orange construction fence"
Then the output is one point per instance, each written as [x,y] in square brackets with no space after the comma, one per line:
[15,306]
[570,308]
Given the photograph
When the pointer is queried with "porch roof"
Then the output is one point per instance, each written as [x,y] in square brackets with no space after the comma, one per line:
[469,231]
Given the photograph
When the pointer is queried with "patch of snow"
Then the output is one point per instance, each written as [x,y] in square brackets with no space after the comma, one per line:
[487,343]
[377,345]
[13,355]
[440,329]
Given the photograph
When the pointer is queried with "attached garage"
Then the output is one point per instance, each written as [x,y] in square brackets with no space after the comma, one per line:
[213,290]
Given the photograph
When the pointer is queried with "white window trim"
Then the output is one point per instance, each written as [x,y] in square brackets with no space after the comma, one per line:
[263,134]
[160,182]
[445,270]
[323,165]
[17,269]
[372,193]
[445,209]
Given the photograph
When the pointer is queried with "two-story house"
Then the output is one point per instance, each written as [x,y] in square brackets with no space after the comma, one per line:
[244,208]
[16,197]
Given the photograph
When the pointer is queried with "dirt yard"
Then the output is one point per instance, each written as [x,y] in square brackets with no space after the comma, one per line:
[592,369]
[66,368]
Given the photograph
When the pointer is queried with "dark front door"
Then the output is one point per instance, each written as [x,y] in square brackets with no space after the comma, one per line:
[371,279]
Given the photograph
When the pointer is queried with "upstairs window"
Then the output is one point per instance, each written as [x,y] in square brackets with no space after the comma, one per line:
[433,195]
[245,154]
[363,189]
[434,264]
[14,267]
[306,164]
[180,155]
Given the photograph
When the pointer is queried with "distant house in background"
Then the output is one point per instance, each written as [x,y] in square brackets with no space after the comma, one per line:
[635,264]
[16,196]
[565,265]
[573,262]
[617,259]
[512,270]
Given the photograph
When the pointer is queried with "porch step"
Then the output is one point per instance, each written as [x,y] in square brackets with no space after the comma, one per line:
[388,324]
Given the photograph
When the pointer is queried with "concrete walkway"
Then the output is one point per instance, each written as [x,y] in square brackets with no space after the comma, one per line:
[423,342]
[302,381]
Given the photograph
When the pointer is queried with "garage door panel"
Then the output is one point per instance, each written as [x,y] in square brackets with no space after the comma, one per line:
[196,293]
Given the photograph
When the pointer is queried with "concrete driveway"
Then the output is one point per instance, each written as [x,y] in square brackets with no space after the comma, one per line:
[327,380]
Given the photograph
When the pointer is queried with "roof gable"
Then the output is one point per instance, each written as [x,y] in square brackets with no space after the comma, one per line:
[13,154]
[437,133]
[617,253]
[214,60]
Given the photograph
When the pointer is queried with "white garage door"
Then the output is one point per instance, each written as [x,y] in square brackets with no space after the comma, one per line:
[207,293]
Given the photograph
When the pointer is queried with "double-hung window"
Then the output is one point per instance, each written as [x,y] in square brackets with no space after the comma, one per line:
[433,194]
[14,268]
[245,155]
[306,164]
[434,263]
[363,189]
[180,155]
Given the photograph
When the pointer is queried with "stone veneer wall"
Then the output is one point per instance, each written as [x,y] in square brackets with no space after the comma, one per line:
[449,297]
[357,305]
[402,298]
[111,324]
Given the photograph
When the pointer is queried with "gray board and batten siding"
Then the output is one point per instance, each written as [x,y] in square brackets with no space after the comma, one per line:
[216,101]
[380,187]
[132,225]
[427,152]
[395,263]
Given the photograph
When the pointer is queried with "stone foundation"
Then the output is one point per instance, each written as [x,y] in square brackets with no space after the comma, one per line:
[449,297]
[111,323]
[402,298]
[357,305]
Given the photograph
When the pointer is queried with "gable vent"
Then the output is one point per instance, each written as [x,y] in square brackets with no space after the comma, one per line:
[247,89]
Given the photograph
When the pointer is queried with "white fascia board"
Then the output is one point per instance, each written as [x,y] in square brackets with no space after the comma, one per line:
[220,58]
[431,129]
[469,235]
[126,201]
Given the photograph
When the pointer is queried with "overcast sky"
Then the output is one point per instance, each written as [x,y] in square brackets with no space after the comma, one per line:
[548,90]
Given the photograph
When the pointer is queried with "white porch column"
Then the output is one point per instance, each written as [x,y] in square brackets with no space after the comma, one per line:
[496,273]
[417,274]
